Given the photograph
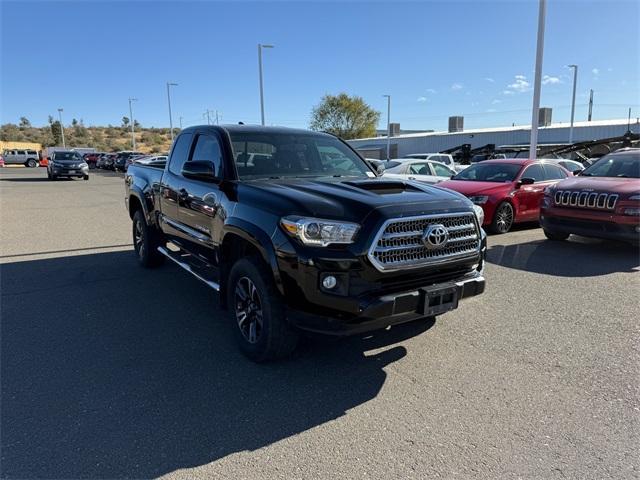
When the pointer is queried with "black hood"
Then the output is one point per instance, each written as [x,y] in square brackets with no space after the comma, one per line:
[350,199]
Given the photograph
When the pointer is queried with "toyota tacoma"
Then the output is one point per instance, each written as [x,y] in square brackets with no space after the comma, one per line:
[298,233]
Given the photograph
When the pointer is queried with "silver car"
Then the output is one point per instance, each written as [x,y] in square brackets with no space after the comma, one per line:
[425,171]
[16,156]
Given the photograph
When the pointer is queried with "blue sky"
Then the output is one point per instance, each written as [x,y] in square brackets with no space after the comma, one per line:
[435,58]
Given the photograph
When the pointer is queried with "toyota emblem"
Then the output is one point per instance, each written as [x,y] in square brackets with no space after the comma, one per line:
[436,236]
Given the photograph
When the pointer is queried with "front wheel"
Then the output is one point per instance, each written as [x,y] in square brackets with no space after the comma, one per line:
[146,241]
[555,235]
[502,218]
[85,177]
[31,163]
[258,312]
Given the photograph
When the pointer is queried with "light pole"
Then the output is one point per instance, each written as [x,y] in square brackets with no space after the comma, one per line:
[180,123]
[260,47]
[64,145]
[535,115]
[133,136]
[169,84]
[388,97]
[573,101]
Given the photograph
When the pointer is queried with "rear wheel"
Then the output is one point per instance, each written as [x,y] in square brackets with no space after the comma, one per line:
[31,163]
[555,235]
[502,218]
[258,312]
[146,241]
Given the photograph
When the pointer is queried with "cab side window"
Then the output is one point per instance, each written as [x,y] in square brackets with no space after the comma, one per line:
[180,153]
[534,171]
[208,149]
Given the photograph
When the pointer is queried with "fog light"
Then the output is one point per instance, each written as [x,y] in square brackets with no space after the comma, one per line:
[329,282]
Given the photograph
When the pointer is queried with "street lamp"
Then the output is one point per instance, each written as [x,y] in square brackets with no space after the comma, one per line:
[573,101]
[260,47]
[388,97]
[133,136]
[535,115]
[64,145]
[169,84]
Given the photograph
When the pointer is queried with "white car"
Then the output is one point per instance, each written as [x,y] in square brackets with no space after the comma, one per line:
[425,171]
[438,157]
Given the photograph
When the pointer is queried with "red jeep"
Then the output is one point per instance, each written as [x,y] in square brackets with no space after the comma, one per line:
[603,201]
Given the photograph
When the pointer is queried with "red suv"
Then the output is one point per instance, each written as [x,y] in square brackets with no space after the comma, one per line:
[603,201]
[509,191]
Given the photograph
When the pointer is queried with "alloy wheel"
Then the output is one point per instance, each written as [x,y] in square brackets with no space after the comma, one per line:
[138,238]
[248,308]
[504,218]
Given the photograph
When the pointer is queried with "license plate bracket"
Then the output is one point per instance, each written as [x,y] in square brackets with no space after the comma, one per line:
[71,171]
[439,300]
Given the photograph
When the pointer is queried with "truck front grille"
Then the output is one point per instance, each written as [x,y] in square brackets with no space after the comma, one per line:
[400,243]
[593,200]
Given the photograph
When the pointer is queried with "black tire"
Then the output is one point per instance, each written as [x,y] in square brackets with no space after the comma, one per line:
[146,241]
[557,236]
[273,337]
[503,218]
[85,177]
[31,163]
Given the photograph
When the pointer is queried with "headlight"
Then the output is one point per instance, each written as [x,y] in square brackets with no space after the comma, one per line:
[479,199]
[84,165]
[315,231]
[477,209]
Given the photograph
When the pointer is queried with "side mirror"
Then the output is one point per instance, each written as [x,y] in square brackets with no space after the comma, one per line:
[48,159]
[577,172]
[380,169]
[525,181]
[452,176]
[200,170]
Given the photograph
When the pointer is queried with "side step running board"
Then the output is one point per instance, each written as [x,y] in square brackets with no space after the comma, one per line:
[188,268]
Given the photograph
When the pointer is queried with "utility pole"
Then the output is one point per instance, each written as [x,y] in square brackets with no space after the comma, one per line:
[260,47]
[573,101]
[180,123]
[590,104]
[217,118]
[206,114]
[535,114]
[133,136]
[388,97]
[169,84]
[64,145]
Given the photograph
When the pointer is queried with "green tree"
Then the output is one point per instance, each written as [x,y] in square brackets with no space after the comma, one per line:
[24,122]
[345,116]
[74,122]
[125,121]
[56,133]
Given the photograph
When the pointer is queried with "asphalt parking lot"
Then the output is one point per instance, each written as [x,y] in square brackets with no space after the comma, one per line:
[112,371]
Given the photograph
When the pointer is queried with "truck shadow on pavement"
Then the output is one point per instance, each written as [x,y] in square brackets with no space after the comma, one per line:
[576,257]
[113,371]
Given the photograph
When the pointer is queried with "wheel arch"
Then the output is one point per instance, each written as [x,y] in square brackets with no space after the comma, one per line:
[241,238]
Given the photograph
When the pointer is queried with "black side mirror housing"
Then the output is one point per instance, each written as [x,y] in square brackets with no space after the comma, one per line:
[525,181]
[380,169]
[200,170]
[577,172]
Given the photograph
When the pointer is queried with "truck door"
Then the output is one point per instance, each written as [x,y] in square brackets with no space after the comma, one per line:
[199,200]
[171,184]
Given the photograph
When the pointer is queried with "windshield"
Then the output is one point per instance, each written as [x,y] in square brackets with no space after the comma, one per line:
[625,165]
[66,156]
[490,172]
[260,155]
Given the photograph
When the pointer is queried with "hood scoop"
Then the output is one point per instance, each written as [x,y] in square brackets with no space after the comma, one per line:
[384,187]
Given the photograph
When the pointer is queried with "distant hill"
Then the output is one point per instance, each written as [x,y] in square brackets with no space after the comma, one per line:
[103,139]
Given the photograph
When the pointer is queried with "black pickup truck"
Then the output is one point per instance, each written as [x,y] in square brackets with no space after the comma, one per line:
[297,232]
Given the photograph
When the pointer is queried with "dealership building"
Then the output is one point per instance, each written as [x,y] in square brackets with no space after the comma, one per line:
[431,142]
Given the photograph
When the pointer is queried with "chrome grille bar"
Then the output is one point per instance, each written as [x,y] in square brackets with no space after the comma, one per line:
[601,201]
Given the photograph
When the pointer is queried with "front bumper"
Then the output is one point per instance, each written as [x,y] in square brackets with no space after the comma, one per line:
[611,229]
[70,172]
[391,309]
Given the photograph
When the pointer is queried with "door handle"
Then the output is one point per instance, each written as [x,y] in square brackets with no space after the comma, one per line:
[183,194]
